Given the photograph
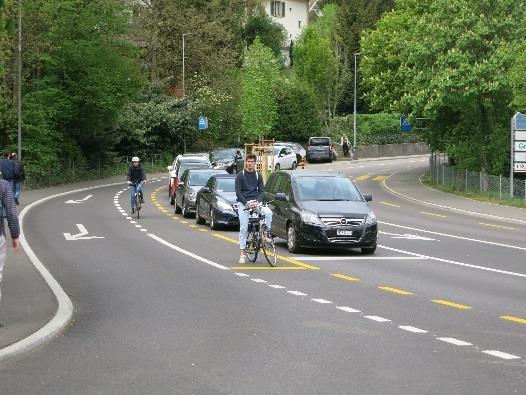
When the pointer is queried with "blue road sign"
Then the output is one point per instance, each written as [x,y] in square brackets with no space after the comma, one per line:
[405,126]
[203,122]
[519,121]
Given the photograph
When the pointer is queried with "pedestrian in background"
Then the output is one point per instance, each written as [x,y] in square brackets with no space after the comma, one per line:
[7,167]
[19,176]
[9,210]
[344,142]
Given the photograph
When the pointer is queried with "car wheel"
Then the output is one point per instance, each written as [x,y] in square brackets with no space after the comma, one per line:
[292,239]
[294,165]
[277,167]
[213,222]
[184,210]
[198,219]
[177,208]
[369,250]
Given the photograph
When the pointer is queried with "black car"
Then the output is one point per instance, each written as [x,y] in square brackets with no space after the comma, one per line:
[216,202]
[191,182]
[320,209]
[230,159]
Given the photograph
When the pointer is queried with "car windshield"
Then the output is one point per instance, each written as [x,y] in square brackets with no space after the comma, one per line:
[319,141]
[192,165]
[223,154]
[226,184]
[199,178]
[326,189]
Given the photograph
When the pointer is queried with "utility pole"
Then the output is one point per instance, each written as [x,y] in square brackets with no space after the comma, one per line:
[19,87]
[356,54]
[184,93]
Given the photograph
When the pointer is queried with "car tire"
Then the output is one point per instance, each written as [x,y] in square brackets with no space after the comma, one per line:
[213,223]
[177,208]
[294,165]
[292,239]
[198,219]
[369,250]
[277,167]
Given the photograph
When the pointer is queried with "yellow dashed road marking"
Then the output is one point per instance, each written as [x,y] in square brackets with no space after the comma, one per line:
[184,222]
[496,226]
[193,226]
[451,304]
[344,277]
[390,204]
[395,290]
[379,178]
[433,214]
[518,320]
[362,178]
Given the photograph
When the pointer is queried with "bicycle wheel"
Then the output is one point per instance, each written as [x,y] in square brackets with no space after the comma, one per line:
[138,205]
[252,247]
[269,250]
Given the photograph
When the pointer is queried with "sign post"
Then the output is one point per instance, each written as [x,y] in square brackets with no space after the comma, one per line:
[518,146]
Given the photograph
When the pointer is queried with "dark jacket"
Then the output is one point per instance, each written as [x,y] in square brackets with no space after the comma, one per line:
[20,173]
[8,203]
[136,174]
[249,186]
[7,167]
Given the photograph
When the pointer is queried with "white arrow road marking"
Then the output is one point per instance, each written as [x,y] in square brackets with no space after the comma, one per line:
[83,235]
[407,236]
[79,201]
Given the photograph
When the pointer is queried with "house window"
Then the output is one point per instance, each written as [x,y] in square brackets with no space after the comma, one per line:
[277,8]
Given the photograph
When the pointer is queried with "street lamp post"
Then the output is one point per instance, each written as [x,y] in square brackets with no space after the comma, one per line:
[184,93]
[19,87]
[356,54]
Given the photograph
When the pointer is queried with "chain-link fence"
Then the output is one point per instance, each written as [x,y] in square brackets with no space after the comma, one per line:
[71,171]
[443,173]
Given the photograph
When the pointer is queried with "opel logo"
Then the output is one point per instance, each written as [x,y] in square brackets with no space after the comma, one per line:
[343,221]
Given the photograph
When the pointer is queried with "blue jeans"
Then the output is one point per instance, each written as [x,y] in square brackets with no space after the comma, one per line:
[134,188]
[17,187]
[243,222]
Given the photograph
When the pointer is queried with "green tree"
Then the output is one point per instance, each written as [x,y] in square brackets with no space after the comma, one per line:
[258,105]
[261,25]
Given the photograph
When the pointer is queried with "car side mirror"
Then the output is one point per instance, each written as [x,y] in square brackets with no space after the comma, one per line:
[281,197]
[170,168]
[368,198]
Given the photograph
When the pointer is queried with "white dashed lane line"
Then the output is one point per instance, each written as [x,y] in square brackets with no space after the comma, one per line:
[258,280]
[297,293]
[500,354]
[456,342]
[321,301]
[348,309]
[377,319]
[412,329]
[242,274]
[276,286]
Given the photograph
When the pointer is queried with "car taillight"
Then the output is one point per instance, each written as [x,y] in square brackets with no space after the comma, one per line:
[330,148]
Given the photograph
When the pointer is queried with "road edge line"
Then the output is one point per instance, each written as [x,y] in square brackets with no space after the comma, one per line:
[65,306]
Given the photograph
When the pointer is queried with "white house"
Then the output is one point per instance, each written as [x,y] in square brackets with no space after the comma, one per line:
[293,15]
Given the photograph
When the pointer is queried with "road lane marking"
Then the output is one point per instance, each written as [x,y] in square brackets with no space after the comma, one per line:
[412,329]
[297,293]
[452,304]
[266,268]
[395,290]
[513,319]
[358,258]
[390,204]
[496,226]
[377,319]
[379,178]
[363,178]
[501,354]
[468,265]
[242,274]
[456,342]
[344,277]
[276,286]
[433,214]
[348,309]
[258,280]
[321,301]
[187,253]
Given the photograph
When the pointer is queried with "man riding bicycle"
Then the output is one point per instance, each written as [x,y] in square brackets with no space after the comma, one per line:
[136,179]
[249,192]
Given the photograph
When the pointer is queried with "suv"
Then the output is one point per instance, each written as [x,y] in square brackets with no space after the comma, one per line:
[174,171]
[319,148]
[320,209]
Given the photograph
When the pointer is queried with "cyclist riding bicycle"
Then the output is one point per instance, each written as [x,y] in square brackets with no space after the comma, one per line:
[249,192]
[136,179]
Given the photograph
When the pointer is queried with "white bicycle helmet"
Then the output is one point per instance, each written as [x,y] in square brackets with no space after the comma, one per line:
[136,159]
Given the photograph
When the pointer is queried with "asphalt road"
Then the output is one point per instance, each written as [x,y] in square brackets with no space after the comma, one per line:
[162,307]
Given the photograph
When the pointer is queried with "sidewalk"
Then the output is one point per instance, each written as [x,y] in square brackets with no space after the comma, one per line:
[27,302]
[406,184]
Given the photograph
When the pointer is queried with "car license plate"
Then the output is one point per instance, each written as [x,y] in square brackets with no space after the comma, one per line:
[344,232]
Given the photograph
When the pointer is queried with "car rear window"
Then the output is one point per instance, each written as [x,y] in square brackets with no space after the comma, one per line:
[192,165]
[320,141]
[326,189]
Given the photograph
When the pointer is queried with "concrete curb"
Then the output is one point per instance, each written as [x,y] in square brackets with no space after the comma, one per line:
[381,158]
[455,209]
[65,306]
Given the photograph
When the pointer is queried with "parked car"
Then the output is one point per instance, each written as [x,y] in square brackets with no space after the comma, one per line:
[320,209]
[181,163]
[216,202]
[296,148]
[284,158]
[320,148]
[225,158]
[191,182]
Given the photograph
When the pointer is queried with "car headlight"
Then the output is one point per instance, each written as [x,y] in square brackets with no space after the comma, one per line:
[310,218]
[371,219]
[191,197]
[224,205]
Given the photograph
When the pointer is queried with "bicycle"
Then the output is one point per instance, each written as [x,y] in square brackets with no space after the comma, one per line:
[257,240]
[138,199]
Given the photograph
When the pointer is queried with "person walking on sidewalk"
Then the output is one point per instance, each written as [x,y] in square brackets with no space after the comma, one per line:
[19,176]
[9,211]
